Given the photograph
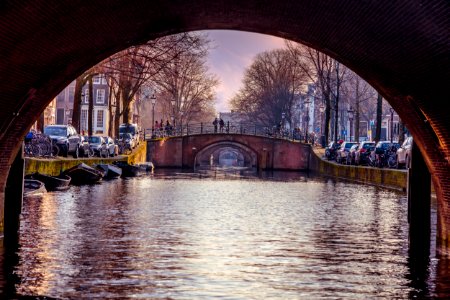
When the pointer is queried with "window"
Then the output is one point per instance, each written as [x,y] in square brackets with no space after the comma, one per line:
[86,96]
[100,118]
[60,98]
[100,96]
[84,119]
[60,116]
[96,79]
[71,93]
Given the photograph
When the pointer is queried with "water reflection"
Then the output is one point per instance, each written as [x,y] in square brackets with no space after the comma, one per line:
[178,234]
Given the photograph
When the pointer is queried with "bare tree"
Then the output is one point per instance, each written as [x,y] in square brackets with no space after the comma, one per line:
[271,87]
[129,70]
[320,69]
[187,83]
[362,97]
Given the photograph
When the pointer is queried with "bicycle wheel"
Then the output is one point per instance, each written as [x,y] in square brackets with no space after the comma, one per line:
[35,150]
[55,150]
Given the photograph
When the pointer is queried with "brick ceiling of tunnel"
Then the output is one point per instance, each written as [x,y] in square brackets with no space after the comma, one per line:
[400,47]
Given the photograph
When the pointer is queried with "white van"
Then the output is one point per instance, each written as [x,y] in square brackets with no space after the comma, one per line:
[131,128]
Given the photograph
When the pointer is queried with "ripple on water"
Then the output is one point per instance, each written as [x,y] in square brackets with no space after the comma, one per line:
[163,237]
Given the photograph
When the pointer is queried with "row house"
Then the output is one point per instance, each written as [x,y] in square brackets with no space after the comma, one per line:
[65,100]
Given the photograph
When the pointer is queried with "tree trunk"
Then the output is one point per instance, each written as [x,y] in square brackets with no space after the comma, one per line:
[336,104]
[379,113]
[117,115]
[327,118]
[77,99]
[111,117]
[40,122]
[357,117]
[91,107]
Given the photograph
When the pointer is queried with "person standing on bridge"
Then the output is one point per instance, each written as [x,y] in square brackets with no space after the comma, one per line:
[221,124]
[215,123]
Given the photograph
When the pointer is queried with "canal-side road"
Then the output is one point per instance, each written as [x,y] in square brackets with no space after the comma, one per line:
[390,178]
[55,166]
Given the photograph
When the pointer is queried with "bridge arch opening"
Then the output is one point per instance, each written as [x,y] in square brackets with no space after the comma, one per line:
[401,54]
[226,155]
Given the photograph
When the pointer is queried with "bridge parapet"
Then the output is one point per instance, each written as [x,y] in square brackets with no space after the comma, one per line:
[243,128]
[262,152]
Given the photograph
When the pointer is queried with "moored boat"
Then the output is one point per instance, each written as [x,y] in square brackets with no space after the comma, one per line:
[33,187]
[127,169]
[111,171]
[53,183]
[84,174]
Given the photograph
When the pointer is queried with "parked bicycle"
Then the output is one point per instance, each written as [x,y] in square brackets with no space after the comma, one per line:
[38,144]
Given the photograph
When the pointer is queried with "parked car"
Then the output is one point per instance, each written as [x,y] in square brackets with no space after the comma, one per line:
[351,154]
[404,153]
[127,138]
[341,153]
[66,138]
[363,152]
[98,146]
[85,149]
[112,148]
[330,151]
[133,129]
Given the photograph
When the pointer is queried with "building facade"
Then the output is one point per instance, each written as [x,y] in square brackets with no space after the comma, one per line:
[65,101]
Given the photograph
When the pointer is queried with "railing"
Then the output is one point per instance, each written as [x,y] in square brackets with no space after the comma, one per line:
[228,128]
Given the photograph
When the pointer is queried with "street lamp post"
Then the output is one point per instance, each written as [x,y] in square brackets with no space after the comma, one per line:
[307,102]
[322,110]
[350,118]
[173,110]
[153,99]
[392,124]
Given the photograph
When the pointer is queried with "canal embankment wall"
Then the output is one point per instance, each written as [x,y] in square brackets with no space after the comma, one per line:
[391,178]
[54,166]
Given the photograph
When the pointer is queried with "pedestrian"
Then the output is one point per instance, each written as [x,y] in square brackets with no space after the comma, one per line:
[215,123]
[168,128]
[221,124]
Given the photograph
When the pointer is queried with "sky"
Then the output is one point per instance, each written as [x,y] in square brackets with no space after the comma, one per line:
[232,53]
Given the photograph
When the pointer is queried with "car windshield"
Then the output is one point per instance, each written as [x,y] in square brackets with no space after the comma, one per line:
[368,145]
[127,129]
[349,145]
[56,131]
[94,140]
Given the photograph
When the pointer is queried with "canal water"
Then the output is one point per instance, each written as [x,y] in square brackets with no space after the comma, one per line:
[174,235]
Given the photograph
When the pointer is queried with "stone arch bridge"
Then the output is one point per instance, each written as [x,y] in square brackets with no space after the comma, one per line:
[402,48]
[248,150]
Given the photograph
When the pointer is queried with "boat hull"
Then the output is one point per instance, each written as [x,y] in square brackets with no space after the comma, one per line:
[53,183]
[83,174]
[111,171]
[33,187]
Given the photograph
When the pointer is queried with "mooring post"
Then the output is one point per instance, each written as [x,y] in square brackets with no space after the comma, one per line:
[419,205]
[13,199]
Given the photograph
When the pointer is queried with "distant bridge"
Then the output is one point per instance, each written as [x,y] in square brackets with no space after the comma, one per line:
[244,145]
